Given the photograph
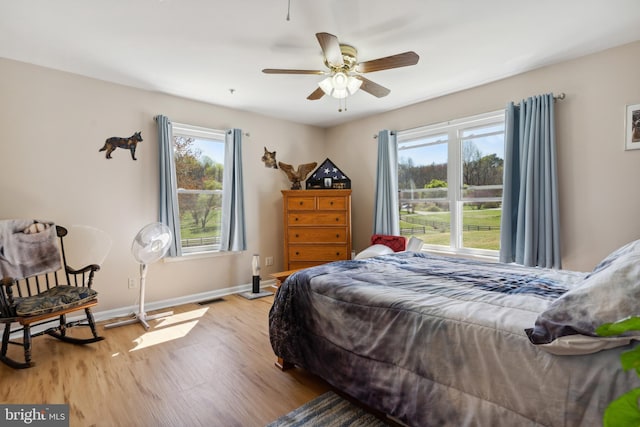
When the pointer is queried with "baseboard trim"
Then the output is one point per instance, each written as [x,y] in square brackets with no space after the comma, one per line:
[172,302]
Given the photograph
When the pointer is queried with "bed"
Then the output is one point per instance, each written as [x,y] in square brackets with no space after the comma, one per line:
[435,341]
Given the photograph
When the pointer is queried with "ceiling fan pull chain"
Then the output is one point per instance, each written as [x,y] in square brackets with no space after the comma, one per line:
[289,11]
[340,102]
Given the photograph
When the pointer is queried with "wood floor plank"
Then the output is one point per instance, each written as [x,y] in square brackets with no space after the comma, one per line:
[205,365]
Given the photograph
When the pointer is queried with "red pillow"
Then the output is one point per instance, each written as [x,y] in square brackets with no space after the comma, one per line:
[397,243]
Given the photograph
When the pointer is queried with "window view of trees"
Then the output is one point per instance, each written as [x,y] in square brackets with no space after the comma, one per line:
[439,200]
[199,181]
[479,169]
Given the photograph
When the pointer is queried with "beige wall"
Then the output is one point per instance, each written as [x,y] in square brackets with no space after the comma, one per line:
[599,205]
[53,124]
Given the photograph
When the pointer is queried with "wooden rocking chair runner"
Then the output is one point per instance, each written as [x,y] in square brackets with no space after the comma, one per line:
[44,299]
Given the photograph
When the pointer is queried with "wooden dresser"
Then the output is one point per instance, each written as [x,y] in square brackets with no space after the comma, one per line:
[317,227]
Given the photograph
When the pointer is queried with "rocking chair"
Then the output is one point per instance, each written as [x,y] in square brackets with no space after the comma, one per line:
[43,299]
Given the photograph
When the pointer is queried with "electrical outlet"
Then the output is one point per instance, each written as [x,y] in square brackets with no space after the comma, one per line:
[268,261]
[132,284]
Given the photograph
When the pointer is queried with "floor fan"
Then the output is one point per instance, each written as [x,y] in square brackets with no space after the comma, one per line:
[255,288]
[150,245]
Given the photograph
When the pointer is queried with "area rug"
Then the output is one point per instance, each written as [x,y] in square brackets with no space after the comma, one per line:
[328,410]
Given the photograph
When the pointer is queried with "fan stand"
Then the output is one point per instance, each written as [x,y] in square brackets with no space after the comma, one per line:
[255,291]
[141,315]
[255,270]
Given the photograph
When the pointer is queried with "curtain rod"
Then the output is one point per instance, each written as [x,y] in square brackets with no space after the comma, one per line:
[376,135]
[561,96]
[247,134]
[243,133]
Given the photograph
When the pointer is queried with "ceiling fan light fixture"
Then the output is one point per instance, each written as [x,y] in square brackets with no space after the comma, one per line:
[326,85]
[339,93]
[353,85]
[339,81]
[340,85]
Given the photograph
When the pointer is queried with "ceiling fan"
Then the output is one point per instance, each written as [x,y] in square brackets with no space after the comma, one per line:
[345,72]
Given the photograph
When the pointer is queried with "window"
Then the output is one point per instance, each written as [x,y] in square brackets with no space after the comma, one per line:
[450,184]
[199,161]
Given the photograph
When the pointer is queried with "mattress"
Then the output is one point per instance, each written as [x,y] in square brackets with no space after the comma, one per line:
[436,340]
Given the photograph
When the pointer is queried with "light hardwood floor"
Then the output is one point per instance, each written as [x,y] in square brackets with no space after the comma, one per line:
[207,365]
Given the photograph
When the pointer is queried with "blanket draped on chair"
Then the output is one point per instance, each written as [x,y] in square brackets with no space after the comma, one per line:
[27,248]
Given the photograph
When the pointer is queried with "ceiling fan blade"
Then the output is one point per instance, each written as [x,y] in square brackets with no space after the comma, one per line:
[331,48]
[284,71]
[316,94]
[373,88]
[394,61]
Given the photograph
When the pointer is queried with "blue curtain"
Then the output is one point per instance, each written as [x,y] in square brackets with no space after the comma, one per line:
[530,233]
[169,214]
[386,214]
[232,235]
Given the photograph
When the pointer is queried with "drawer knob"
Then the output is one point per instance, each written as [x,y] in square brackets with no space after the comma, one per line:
[297,235]
[337,219]
[337,236]
[301,203]
[296,218]
[331,203]
[337,253]
[297,253]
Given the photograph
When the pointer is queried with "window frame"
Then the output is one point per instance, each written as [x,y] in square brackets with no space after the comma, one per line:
[187,130]
[455,179]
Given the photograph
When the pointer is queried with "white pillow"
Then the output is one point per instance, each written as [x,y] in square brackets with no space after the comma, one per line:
[374,250]
[414,244]
[608,294]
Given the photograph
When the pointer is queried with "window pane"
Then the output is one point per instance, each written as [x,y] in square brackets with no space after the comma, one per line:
[481,225]
[423,189]
[482,175]
[422,169]
[432,225]
[482,161]
[199,170]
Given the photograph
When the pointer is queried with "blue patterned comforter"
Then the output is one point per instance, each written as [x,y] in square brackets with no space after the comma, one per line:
[440,341]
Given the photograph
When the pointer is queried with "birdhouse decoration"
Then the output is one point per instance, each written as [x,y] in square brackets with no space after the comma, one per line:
[328,176]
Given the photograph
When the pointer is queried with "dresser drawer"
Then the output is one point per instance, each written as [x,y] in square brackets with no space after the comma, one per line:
[301,203]
[297,265]
[317,218]
[332,203]
[317,235]
[317,252]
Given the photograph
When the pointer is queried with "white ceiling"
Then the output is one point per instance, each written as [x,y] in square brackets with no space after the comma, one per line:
[201,49]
